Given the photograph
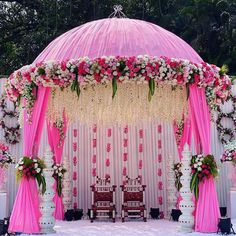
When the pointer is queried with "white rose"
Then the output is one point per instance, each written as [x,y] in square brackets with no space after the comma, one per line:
[56,171]
[197,159]
[199,168]
[199,163]
[36,165]
[60,174]
[20,168]
[195,165]
[60,168]
[54,167]
[17,165]
[38,170]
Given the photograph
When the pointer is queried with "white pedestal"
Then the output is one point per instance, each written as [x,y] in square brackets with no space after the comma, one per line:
[233,204]
[3,205]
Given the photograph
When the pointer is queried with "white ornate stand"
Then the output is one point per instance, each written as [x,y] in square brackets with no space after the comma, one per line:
[66,189]
[171,189]
[186,204]
[47,206]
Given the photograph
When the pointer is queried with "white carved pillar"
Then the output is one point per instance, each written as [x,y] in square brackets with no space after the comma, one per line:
[67,188]
[47,206]
[171,189]
[186,204]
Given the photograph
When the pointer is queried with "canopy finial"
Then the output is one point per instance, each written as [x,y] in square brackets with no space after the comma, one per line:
[117,12]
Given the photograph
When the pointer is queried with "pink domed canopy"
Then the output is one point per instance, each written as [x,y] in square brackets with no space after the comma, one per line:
[117,37]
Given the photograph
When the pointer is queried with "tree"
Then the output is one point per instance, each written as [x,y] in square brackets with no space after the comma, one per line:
[27,27]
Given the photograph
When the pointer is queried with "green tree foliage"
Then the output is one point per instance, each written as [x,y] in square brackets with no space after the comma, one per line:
[27,27]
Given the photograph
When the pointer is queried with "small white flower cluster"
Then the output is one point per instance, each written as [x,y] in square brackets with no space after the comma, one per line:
[198,162]
[59,171]
[29,167]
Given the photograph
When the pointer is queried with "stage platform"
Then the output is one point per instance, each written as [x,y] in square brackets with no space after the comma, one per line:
[131,228]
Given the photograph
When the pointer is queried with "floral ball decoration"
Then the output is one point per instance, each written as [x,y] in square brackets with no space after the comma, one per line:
[227,134]
[11,133]
[229,154]
[203,167]
[5,156]
[32,168]
[178,174]
[78,73]
[58,175]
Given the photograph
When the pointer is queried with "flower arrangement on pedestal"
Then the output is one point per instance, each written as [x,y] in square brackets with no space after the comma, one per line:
[32,168]
[178,174]
[203,167]
[58,175]
[5,156]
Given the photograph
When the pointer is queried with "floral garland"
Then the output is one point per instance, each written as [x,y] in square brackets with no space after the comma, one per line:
[203,167]
[32,168]
[178,173]
[11,134]
[5,156]
[58,175]
[179,129]
[59,124]
[141,69]
[227,132]
[229,154]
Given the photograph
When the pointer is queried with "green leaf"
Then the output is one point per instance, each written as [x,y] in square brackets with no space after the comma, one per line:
[41,71]
[151,84]
[114,87]
[149,96]
[44,185]
[193,181]
[224,69]
[73,85]
[18,100]
[78,90]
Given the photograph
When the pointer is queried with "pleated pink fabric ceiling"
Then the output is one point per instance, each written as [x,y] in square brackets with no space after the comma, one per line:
[117,37]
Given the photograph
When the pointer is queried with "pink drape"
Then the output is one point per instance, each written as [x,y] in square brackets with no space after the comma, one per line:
[25,214]
[53,139]
[207,210]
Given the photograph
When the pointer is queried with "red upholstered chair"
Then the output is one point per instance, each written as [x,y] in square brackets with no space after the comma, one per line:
[133,199]
[103,199]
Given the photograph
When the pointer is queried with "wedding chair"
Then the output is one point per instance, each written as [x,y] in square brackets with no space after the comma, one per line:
[133,199]
[103,200]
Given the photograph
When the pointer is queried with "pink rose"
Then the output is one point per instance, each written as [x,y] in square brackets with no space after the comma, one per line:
[109,133]
[125,156]
[75,132]
[94,159]
[107,162]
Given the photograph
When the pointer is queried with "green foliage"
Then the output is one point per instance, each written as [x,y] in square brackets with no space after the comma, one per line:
[27,27]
